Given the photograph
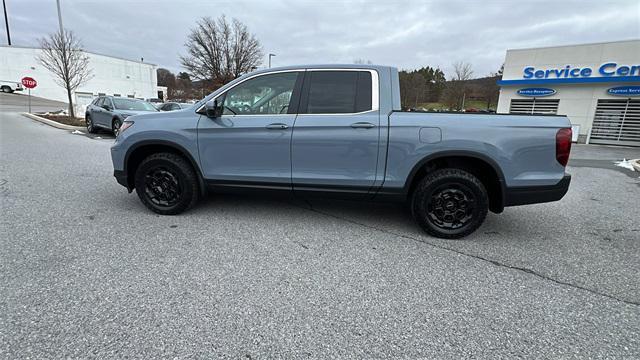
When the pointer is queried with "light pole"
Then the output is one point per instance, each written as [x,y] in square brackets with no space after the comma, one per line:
[59,16]
[270,55]
[6,21]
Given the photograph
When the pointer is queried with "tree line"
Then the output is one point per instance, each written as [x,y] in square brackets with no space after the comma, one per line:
[428,86]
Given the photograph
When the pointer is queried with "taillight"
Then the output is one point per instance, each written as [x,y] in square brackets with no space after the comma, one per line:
[563,146]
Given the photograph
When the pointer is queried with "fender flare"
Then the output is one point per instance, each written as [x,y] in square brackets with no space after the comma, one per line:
[458,153]
[177,147]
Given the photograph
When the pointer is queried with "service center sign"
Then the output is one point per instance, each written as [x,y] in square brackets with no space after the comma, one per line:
[624,91]
[29,82]
[609,69]
[536,92]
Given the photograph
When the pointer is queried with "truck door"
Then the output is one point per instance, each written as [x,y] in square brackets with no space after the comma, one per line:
[336,134]
[250,144]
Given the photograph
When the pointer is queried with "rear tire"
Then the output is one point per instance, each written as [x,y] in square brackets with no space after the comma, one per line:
[166,183]
[450,203]
[6,89]
[89,122]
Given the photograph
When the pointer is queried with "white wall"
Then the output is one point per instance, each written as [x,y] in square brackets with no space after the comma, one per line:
[110,75]
[577,101]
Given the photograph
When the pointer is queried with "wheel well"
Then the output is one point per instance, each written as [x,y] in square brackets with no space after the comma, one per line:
[134,159]
[481,169]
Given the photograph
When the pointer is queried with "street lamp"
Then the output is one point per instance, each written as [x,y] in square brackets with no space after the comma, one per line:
[270,55]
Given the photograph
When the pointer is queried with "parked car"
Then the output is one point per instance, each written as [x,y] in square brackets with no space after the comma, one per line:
[109,112]
[10,86]
[172,106]
[337,130]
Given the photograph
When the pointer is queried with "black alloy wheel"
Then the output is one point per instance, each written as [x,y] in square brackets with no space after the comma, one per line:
[166,183]
[449,203]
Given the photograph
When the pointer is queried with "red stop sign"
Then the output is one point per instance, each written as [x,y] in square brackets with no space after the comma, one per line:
[29,82]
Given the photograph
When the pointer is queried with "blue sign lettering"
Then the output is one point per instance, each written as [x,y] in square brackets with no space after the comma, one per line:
[536,92]
[624,91]
[607,69]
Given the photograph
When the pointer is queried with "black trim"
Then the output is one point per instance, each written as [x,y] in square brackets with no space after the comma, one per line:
[121,178]
[445,154]
[173,145]
[523,195]
[294,102]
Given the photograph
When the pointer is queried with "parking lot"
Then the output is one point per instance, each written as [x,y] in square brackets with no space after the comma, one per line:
[87,271]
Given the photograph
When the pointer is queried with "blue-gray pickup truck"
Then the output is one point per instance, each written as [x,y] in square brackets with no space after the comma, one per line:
[338,130]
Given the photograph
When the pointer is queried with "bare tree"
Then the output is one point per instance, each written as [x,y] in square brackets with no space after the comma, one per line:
[63,55]
[221,51]
[462,71]
[454,93]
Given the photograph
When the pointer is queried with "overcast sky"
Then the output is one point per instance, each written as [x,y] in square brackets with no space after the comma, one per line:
[404,34]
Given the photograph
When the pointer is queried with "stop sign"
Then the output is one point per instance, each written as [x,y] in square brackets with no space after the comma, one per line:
[29,82]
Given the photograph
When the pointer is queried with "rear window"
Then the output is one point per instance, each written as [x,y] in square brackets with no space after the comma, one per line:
[132,104]
[338,92]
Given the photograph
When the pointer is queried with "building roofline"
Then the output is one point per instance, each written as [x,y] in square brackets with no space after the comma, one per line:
[571,45]
[86,51]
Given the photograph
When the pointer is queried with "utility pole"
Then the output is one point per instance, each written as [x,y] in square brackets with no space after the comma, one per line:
[6,21]
[59,16]
[270,55]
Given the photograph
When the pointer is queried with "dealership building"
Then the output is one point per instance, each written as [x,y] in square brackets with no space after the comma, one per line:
[597,86]
[111,76]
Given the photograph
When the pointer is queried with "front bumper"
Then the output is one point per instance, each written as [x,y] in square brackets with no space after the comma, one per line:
[121,178]
[537,194]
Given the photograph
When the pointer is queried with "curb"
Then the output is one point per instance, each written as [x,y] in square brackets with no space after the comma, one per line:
[636,164]
[52,123]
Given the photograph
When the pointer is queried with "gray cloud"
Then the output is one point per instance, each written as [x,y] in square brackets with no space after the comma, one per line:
[407,34]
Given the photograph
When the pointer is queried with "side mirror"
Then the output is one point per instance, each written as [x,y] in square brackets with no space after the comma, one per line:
[213,109]
[106,107]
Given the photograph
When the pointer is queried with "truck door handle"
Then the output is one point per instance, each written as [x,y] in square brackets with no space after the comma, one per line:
[277,126]
[362,125]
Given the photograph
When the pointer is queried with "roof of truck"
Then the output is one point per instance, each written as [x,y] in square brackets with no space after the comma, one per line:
[324,66]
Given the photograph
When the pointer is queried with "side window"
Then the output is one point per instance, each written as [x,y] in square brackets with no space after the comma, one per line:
[99,102]
[263,95]
[175,107]
[338,92]
[108,102]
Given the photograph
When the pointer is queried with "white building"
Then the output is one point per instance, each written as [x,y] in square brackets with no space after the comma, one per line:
[597,86]
[111,76]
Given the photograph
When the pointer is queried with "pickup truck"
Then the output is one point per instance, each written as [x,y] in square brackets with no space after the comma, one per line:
[338,130]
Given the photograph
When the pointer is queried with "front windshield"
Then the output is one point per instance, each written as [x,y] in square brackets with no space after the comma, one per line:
[133,104]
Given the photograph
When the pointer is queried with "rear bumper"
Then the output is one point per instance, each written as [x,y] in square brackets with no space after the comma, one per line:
[537,194]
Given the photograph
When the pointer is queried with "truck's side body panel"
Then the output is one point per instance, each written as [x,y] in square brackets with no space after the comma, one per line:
[522,147]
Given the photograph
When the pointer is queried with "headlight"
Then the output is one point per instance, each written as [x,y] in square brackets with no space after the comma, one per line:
[125,125]
[124,116]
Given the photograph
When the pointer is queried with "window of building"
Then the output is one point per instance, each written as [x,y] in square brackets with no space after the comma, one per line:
[338,92]
[534,106]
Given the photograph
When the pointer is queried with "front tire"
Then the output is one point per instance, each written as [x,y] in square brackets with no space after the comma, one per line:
[450,203]
[115,126]
[166,183]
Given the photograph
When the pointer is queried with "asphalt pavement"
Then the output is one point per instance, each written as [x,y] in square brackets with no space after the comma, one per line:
[87,272]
